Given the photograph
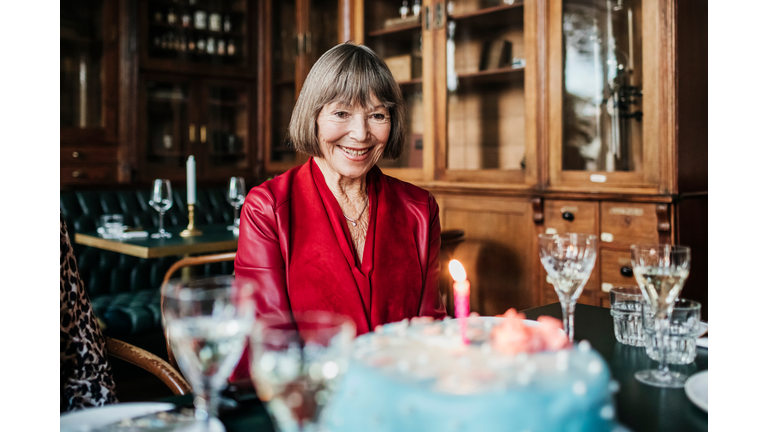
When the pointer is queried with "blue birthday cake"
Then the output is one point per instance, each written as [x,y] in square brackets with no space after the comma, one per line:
[419,376]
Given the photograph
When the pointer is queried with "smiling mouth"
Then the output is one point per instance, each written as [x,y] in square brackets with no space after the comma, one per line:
[354,152]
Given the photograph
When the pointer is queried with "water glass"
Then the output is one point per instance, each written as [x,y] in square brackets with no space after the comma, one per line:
[113,225]
[683,332]
[626,309]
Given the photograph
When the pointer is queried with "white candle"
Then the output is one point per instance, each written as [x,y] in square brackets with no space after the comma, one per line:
[191,180]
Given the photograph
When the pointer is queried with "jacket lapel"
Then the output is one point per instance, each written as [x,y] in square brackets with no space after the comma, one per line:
[397,277]
[319,275]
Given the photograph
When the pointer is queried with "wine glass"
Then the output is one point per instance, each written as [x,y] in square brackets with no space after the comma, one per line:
[162,200]
[208,322]
[297,363]
[568,259]
[236,198]
[661,271]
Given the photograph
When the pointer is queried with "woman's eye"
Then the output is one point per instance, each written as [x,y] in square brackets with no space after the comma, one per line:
[379,117]
[340,114]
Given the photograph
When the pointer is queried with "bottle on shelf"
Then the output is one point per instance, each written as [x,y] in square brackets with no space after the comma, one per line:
[185,19]
[201,44]
[231,47]
[227,24]
[221,47]
[191,44]
[416,8]
[210,47]
[171,16]
[214,22]
[201,20]
[404,9]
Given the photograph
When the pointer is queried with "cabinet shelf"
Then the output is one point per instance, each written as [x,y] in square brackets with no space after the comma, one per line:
[193,30]
[411,84]
[492,76]
[401,30]
[492,16]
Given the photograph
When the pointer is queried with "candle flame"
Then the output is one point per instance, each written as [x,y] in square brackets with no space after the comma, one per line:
[457,271]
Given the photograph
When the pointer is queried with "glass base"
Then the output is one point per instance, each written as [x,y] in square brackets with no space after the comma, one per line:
[654,377]
[162,235]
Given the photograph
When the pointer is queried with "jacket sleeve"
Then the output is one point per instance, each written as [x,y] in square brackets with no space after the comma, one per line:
[431,301]
[259,256]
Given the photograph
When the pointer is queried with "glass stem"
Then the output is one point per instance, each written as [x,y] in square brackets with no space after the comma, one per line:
[663,336]
[206,404]
[234,221]
[569,307]
[162,230]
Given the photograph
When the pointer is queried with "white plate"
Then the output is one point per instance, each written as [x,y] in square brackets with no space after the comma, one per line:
[91,418]
[697,389]
[703,328]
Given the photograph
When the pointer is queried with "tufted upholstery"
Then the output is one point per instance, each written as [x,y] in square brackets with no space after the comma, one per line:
[124,290]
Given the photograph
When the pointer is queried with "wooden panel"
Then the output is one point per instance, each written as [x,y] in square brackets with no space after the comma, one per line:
[584,216]
[628,223]
[88,155]
[500,269]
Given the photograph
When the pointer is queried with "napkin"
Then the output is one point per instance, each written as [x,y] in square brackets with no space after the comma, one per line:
[134,234]
[703,342]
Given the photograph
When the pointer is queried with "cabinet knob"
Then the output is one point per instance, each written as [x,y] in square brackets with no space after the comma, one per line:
[626,271]
[568,216]
[75,154]
[77,174]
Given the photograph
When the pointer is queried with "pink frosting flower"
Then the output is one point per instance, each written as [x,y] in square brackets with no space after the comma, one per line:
[512,336]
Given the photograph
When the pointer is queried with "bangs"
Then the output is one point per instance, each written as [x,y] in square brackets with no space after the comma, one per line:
[353,84]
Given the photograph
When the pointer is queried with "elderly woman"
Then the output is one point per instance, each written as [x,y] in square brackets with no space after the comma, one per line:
[336,234]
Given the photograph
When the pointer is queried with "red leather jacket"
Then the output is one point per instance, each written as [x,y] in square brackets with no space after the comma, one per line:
[287,245]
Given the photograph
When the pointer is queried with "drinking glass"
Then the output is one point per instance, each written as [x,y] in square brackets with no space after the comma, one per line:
[162,200]
[208,322]
[683,332]
[236,198]
[661,271]
[568,259]
[297,363]
[626,308]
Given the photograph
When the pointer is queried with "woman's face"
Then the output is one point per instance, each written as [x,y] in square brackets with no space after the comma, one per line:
[352,138]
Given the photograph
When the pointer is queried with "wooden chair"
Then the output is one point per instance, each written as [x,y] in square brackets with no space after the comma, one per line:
[149,362]
[186,262]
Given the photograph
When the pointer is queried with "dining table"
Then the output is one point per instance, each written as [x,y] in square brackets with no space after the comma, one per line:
[214,238]
[639,407]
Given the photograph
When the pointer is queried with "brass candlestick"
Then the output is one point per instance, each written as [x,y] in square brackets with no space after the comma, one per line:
[191,231]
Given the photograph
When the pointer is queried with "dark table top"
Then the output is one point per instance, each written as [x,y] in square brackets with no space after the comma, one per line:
[640,407]
[214,238]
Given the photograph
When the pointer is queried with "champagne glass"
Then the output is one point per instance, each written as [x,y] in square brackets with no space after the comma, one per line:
[236,198]
[208,322]
[661,271]
[162,200]
[297,363]
[568,259]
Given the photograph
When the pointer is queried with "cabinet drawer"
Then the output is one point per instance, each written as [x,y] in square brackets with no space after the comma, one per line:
[88,155]
[616,269]
[570,216]
[628,223]
[88,175]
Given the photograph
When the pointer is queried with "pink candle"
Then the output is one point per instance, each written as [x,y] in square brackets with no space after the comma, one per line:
[460,296]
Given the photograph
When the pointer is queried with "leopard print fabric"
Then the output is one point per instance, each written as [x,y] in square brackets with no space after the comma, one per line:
[86,377]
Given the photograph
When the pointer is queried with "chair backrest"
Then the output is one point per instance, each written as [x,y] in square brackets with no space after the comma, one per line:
[149,362]
[187,262]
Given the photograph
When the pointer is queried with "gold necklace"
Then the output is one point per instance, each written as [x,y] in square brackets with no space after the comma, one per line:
[355,221]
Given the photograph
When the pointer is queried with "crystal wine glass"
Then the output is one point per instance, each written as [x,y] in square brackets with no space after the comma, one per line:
[208,322]
[162,200]
[236,198]
[297,363]
[661,271]
[568,259]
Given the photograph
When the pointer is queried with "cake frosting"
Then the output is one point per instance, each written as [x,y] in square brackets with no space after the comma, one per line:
[514,375]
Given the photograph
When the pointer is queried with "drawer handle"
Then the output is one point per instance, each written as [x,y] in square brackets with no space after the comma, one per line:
[75,154]
[568,216]
[77,174]
[626,271]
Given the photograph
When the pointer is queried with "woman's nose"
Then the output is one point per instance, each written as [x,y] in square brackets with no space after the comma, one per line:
[358,127]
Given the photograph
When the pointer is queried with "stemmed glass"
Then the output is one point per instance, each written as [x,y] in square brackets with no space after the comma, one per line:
[661,271]
[297,363]
[568,259]
[236,197]
[208,322]
[162,200]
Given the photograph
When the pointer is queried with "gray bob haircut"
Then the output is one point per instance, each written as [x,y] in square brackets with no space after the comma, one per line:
[347,74]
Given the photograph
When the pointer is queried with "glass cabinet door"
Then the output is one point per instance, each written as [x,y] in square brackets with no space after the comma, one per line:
[81,65]
[602,85]
[323,29]
[198,32]
[168,125]
[226,126]
[485,56]
[394,31]
[283,82]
